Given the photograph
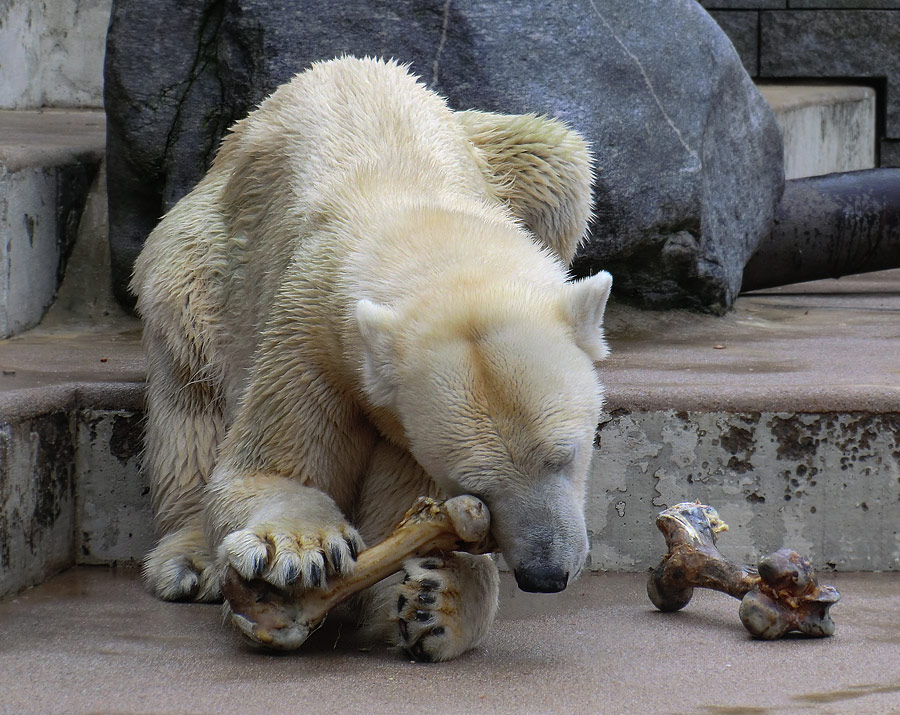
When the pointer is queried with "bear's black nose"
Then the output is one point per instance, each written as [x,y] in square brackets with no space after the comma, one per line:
[542,579]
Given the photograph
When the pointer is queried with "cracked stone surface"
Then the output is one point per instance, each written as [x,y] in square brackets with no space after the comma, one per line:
[689,164]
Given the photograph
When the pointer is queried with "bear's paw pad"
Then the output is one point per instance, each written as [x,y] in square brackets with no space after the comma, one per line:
[427,613]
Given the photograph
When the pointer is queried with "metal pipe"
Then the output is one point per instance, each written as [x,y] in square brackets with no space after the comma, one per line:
[830,226]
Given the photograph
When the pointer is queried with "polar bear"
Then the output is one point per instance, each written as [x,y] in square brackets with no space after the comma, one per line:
[365,301]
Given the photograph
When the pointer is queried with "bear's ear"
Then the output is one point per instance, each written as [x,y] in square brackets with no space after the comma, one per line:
[376,326]
[587,304]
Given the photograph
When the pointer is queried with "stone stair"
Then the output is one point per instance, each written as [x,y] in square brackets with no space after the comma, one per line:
[826,128]
[784,414]
[49,163]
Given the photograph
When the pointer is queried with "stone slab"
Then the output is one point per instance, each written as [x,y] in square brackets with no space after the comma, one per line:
[37,499]
[29,250]
[71,489]
[826,129]
[744,4]
[783,414]
[843,4]
[114,523]
[93,640]
[91,369]
[827,346]
[51,137]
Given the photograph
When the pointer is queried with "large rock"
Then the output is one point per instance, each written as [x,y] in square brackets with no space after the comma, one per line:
[688,155]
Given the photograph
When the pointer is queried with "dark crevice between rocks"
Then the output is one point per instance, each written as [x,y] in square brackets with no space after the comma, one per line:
[206,54]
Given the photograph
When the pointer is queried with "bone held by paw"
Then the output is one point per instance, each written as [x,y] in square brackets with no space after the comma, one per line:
[282,620]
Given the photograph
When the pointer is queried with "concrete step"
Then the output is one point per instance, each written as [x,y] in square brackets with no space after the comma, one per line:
[92,640]
[784,415]
[49,162]
[826,128]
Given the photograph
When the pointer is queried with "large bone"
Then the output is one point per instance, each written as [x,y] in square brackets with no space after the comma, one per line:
[275,619]
[781,595]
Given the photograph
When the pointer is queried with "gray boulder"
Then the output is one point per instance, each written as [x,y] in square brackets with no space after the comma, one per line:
[689,166]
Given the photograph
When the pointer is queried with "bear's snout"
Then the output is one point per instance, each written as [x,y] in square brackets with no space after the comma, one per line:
[542,579]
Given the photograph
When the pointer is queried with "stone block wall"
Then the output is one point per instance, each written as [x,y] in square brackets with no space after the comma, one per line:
[837,41]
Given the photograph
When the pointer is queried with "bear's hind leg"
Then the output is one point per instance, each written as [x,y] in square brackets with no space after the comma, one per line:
[180,567]
[184,426]
[444,605]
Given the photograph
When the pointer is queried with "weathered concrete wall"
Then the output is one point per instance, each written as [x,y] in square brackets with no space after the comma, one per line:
[826,485]
[29,255]
[826,129]
[37,499]
[71,491]
[51,53]
[48,162]
[114,524]
[40,207]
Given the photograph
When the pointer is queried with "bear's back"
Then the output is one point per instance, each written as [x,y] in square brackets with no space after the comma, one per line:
[342,117]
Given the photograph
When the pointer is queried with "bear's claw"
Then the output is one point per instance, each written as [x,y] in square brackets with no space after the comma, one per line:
[287,559]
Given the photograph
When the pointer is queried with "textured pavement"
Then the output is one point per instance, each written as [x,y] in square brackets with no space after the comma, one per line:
[91,640]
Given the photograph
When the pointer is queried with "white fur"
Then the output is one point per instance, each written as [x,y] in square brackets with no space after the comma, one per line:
[363,301]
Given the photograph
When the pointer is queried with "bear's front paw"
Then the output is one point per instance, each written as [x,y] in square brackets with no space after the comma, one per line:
[445,605]
[287,557]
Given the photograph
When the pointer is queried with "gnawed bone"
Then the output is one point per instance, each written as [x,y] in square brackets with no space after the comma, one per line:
[781,595]
[282,620]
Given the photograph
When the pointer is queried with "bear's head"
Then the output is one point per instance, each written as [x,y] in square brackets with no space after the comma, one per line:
[498,398]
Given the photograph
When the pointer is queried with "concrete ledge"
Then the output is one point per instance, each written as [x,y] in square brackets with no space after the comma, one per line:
[45,370]
[71,490]
[48,162]
[825,346]
[51,137]
[826,129]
